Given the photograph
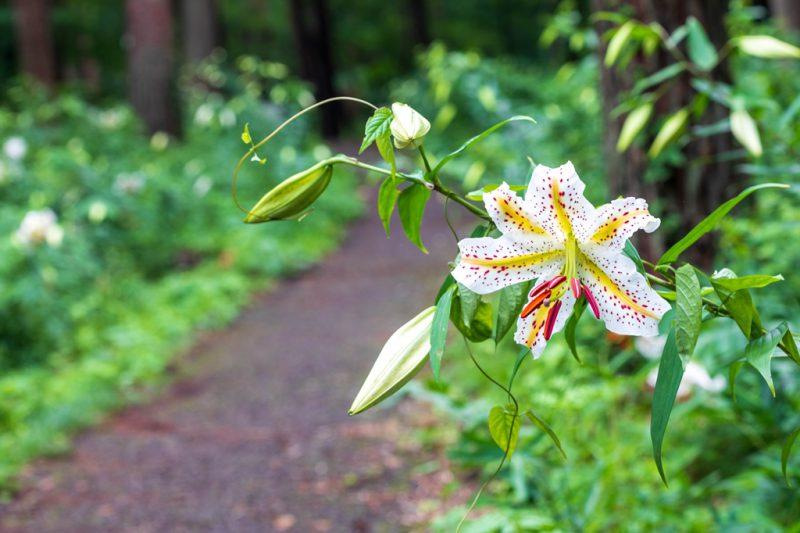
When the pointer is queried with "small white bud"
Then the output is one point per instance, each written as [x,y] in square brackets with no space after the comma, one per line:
[408,127]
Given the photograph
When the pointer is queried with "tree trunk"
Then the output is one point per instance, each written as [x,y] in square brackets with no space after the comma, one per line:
[696,187]
[201,29]
[418,17]
[150,64]
[35,40]
[313,43]
[787,13]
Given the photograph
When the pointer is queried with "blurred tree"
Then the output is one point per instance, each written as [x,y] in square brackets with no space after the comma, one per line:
[312,37]
[696,186]
[787,13]
[150,64]
[418,16]
[201,29]
[35,40]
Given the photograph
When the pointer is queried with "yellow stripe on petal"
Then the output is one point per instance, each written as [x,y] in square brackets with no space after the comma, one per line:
[539,318]
[518,261]
[607,283]
[563,219]
[513,215]
[607,230]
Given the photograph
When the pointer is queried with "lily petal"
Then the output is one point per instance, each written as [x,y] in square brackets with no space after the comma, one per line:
[510,214]
[627,304]
[487,264]
[618,220]
[530,330]
[555,198]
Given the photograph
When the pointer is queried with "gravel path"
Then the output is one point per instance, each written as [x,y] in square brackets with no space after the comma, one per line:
[254,435]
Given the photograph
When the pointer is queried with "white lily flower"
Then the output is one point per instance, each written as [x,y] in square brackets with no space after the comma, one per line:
[38,227]
[408,126]
[694,375]
[557,236]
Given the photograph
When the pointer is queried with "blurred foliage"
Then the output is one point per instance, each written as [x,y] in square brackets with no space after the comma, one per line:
[152,248]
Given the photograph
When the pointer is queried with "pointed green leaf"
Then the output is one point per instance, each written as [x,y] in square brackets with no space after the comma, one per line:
[402,356]
[701,50]
[746,282]
[504,428]
[441,319]
[670,372]
[512,298]
[745,130]
[411,208]
[634,123]
[688,311]
[661,76]
[735,298]
[787,450]
[759,352]
[541,424]
[480,327]
[710,222]
[377,126]
[670,131]
[618,42]
[572,324]
[477,195]
[631,251]
[791,347]
[767,46]
[469,301]
[387,198]
[733,372]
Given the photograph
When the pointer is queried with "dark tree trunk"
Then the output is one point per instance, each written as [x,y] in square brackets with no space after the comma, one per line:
[35,40]
[418,17]
[696,187]
[150,64]
[313,43]
[201,29]
[787,13]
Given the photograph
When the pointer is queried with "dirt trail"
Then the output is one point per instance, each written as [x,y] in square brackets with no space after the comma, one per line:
[254,433]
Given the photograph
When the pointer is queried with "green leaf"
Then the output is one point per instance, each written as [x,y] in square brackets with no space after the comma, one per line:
[512,298]
[478,138]
[402,356]
[246,138]
[618,42]
[572,324]
[480,327]
[439,330]
[701,51]
[386,150]
[791,347]
[767,46]
[411,207]
[448,282]
[377,126]
[634,123]
[504,428]
[759,352]
[746,282]
[688,311]
[670,131]
[387,198]
[541,424]
[660,76]
[745,130]
[631,251]
[733,372]
[787,450]
[477,195]
[736,300]
[710,222]
[469,302]
[670,372]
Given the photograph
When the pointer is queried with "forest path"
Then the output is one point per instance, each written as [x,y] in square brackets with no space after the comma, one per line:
[253,434]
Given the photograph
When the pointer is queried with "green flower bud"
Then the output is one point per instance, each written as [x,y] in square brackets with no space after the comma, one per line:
[408,127]
[292,196]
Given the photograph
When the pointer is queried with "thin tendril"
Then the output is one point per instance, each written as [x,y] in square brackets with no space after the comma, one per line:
[285,123]
[510,434]
[447,219]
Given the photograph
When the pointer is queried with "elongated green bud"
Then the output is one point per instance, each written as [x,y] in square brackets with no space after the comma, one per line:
[293,195]
[403,355]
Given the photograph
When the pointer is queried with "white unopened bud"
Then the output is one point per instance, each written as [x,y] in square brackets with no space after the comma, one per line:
[408,127]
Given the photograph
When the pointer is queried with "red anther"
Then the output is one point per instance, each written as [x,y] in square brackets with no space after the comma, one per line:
[534,304]
[539,288]
[591,300]
[552,314]
[576,287]
[556,281]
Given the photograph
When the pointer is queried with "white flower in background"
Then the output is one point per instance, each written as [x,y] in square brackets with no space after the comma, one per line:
[98,211]
[227,118]
[555,234]
[202,185]
[695,375]
[39,227]
[15,148]
[650,347]
[408,127]
[129,183]
[203,115]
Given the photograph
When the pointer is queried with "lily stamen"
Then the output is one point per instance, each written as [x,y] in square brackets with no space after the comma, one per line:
[592,302]
[535,303]
[576,287]
[552,314]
